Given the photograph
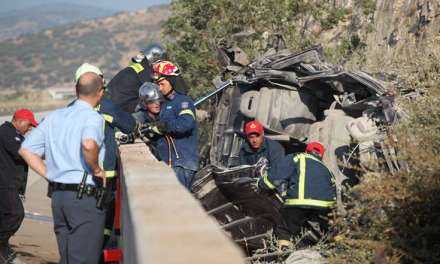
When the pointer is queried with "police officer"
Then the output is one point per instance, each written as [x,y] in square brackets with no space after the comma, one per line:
[114,118]
[124,87]
[257,146]
[13,177]
[148,111]
[307,188]
[71,140]
[177,124]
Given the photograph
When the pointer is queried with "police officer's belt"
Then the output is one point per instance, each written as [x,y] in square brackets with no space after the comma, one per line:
[89,189]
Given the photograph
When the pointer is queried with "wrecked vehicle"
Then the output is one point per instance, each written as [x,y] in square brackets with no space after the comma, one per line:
[298,97]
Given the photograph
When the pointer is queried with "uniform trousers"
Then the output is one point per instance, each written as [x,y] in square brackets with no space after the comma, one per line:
[185,176]
[79,227]
[312,223]
[11,217]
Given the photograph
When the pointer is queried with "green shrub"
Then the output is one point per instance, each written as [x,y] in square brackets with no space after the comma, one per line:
[333,18]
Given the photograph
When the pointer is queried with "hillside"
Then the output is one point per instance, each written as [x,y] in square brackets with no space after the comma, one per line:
[50,57]
[391,217]
[31,20]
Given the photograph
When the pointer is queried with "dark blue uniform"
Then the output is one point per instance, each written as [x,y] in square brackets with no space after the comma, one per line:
[271,150]
[178,147]
[13,177]
[308,190]
[114,118]
[303,181]
[124,86]
[141,115]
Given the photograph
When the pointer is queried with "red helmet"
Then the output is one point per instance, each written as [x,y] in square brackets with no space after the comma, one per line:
[315,147]
[162,69]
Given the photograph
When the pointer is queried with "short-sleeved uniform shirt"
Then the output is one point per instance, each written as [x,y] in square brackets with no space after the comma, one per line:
[59,137]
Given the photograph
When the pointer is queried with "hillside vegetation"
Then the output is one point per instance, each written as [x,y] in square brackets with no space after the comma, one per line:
[30,20]
[392,218]
[50,57]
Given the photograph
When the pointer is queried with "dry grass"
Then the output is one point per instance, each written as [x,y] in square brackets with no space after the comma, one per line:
[31,99]
[395,218]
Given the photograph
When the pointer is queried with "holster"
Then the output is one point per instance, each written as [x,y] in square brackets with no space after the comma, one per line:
[49,190]
[100,198]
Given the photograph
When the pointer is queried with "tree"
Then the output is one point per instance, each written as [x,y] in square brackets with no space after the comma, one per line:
[197,26]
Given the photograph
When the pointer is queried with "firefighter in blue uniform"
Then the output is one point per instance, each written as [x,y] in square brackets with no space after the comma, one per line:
[147,112]
[114,118]
[177,124]
[308,191]
[257,146]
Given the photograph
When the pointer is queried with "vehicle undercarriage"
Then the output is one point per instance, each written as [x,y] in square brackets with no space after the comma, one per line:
[298,97]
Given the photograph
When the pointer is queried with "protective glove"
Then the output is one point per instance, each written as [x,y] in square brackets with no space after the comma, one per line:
[154,128]
[159,127]
[122,138]
[146,131]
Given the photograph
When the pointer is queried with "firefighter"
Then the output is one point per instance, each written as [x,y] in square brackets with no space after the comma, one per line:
[308,191]
[257,146]
[148,108]
[115,118]
[147,112]
[124,87]
[177,124]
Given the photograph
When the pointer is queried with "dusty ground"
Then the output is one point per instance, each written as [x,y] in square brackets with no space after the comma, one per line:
[36,100]
[35,242]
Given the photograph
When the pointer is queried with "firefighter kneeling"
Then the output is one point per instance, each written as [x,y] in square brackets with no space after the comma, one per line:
[308,191]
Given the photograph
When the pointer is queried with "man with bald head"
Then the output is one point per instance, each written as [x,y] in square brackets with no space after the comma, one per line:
[71,141]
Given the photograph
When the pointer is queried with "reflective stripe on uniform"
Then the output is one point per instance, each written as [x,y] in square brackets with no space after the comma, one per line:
[301,158]
[187,112]
[107,232]
[108,118]
[302,177]
[267,182]
[309,202]
[137,67]
[110,174]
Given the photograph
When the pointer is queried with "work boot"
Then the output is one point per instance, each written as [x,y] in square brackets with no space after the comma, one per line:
[3,252]
[9,256]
